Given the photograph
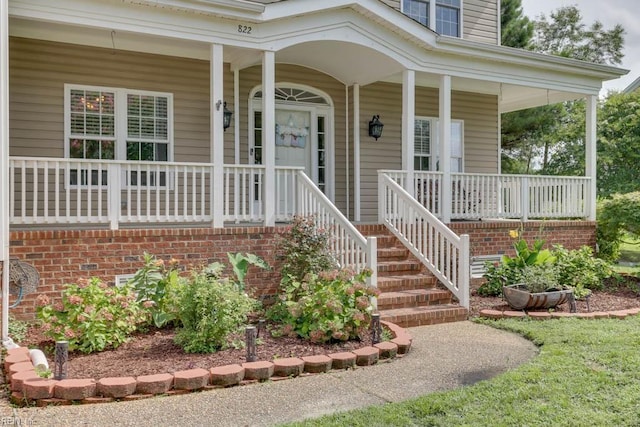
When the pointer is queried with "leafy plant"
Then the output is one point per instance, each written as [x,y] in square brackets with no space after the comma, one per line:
[157,288]
[211,311]
[580,269]
[333,305]
[305,249]
[241,263]
[17,329]
[91,316]
[540,278]
[616,217]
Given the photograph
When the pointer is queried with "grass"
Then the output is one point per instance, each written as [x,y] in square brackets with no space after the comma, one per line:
[587,374]
[630,250]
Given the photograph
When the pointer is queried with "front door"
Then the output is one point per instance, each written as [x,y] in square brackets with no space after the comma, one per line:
[303,140]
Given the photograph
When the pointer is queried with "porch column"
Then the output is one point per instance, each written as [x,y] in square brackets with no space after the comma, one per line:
[356,152]
[408,124]
[269,136]
[4,166]
[217,134]
[591,149]
[444,134]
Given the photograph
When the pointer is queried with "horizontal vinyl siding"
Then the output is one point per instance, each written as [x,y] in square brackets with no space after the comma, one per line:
[479,113]
[481,20]
[39,70]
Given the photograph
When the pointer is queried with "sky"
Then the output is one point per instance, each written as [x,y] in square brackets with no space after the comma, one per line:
[610,13]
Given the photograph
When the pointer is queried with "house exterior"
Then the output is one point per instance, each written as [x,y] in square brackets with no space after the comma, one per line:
[113,139]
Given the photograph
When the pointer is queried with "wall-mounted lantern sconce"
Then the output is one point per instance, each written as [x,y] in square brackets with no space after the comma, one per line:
[226,114]
[375,127]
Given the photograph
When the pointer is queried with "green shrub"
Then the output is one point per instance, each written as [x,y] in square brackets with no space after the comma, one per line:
[158,288]
[211,311]
[91,316]
[617,216]
[17,329]
[305,249]
[579,268]
[332,305]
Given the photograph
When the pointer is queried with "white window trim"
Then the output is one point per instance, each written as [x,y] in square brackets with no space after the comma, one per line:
[435,142]
[432,16]
[120,115]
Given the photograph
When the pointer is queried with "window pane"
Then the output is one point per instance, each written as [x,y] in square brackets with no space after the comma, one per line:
[92,124]
[77,101]
[147,128]
[132,151]
[133,105]
[320,142]
[92,101]
[161,129]
[108,150]
[107,103]
[320,124]
[76,149]
[77,123]
[418,10]
[147,106]
[161,107]
[147,150]
[162,152]
[108,126]
[92,149]
[133,126]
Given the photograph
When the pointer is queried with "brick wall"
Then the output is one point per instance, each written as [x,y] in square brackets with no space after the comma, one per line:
[64,256]
[490,238]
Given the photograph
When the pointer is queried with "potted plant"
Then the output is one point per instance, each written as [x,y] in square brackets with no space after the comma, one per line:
[537,287]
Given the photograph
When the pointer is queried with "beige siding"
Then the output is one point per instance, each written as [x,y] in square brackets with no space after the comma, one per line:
[479,113]
[39,70]
[252,77]
[481,20]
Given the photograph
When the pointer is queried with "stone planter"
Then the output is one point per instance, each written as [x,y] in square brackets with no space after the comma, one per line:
[519,298]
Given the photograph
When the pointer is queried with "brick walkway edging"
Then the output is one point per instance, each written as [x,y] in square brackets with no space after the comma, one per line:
[545,315]
[27,388]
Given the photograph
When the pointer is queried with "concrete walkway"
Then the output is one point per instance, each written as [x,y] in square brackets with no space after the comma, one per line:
[442,357]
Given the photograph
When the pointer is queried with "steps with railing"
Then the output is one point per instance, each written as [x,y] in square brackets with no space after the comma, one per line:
[410,294]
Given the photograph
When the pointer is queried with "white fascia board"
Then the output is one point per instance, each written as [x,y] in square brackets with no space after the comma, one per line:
[527,58]
[633,86]
[225,8]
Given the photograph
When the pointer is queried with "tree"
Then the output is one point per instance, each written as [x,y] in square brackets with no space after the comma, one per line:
[517,29]
[554,134]
[566,35]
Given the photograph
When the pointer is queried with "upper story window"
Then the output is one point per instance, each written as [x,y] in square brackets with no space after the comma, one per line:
[446,14]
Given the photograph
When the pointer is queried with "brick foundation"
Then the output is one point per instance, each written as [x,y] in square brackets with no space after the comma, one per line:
[490,238]
[64,256]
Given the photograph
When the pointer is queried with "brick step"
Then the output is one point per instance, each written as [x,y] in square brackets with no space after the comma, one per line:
[428,315]
[413,298]
[406,282]
[395,268]
[392,254]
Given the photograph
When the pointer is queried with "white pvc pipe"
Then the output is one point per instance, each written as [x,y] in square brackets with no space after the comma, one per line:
[38,359]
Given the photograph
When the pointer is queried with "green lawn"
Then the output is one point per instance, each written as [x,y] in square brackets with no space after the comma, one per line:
[630,250]
[587,374]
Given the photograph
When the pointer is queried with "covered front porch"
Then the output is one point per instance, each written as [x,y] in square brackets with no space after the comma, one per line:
[85,153]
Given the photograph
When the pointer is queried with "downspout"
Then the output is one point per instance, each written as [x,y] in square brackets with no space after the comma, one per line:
[7,342]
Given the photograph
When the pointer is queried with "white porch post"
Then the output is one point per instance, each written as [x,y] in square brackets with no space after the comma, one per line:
[269,135]
[444,134]
[591,149]
[408,124]
[356,151]
[217,134]
[4,166]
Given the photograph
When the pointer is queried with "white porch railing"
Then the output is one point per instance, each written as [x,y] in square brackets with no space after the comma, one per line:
[443,252]
[350,247]
[493,196]
[47,191]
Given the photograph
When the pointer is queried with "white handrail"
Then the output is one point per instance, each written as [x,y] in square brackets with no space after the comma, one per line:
[349,246]
[441,250]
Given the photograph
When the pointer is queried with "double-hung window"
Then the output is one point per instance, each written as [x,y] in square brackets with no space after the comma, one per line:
[426,144]
[118,124]
[447,14]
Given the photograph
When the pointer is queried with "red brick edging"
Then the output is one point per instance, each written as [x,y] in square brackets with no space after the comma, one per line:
[29,389]
[545,315]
